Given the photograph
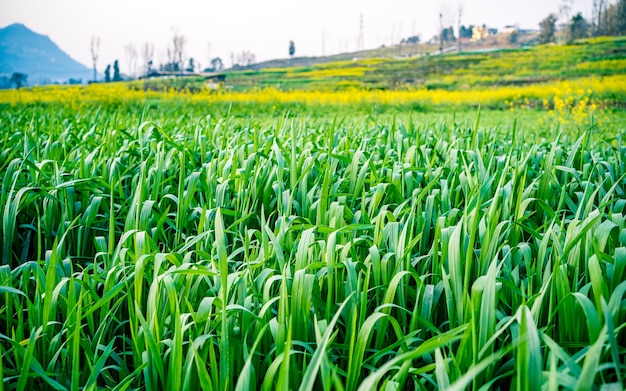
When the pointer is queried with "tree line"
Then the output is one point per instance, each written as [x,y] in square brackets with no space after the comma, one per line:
[176,60]
[17,80]
[608,19]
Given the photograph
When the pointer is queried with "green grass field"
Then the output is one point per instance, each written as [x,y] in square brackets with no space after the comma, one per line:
[177,251]
[180,245]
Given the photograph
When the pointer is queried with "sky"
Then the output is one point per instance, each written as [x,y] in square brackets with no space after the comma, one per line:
[221,28]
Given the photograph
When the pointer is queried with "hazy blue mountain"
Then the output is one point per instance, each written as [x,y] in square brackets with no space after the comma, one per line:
[22,50]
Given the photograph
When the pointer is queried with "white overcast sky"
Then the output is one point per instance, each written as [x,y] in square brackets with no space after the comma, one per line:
[262,27]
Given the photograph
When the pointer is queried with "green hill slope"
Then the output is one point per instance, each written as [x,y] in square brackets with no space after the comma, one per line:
[603,56]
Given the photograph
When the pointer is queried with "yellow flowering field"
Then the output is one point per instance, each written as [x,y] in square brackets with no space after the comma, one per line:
[584,93]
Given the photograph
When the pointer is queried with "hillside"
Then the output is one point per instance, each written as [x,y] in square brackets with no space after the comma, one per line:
[22,50]
[522,66]
[398,51]
[453,71]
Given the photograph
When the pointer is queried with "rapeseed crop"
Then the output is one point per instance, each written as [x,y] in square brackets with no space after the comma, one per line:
[594,92]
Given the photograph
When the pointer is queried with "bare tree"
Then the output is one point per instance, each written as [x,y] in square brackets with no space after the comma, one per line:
[147,52]
[95,51]
[448,13]
[131,59]
[246,58]
[178,49]
[598,10]
[565,10]
[171,60]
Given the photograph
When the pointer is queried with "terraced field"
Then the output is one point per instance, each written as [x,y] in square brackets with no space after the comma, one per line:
[508,68]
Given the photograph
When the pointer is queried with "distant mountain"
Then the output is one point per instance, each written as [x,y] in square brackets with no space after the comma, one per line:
[24,51]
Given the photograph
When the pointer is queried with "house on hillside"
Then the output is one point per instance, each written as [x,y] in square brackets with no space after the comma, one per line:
[528,31]
[483,32]
[510,29]
[215,80]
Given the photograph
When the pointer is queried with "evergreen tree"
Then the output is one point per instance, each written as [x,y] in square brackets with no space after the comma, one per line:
[192,65]
[19,79]
[107,73]
[448,34]
[292,48]
[547,29]
[116,72]
[577,28]
[217,64]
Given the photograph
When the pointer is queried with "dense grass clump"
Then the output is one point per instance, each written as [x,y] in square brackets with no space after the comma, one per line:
[189,252]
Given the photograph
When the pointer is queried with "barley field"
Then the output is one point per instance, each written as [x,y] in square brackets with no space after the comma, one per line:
[164,248]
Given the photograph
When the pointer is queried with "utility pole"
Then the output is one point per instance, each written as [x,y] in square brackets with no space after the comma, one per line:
[209,55]
[399,37]
[413,35]
[460,10]
[95,49]
[361,40]
[440,32]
